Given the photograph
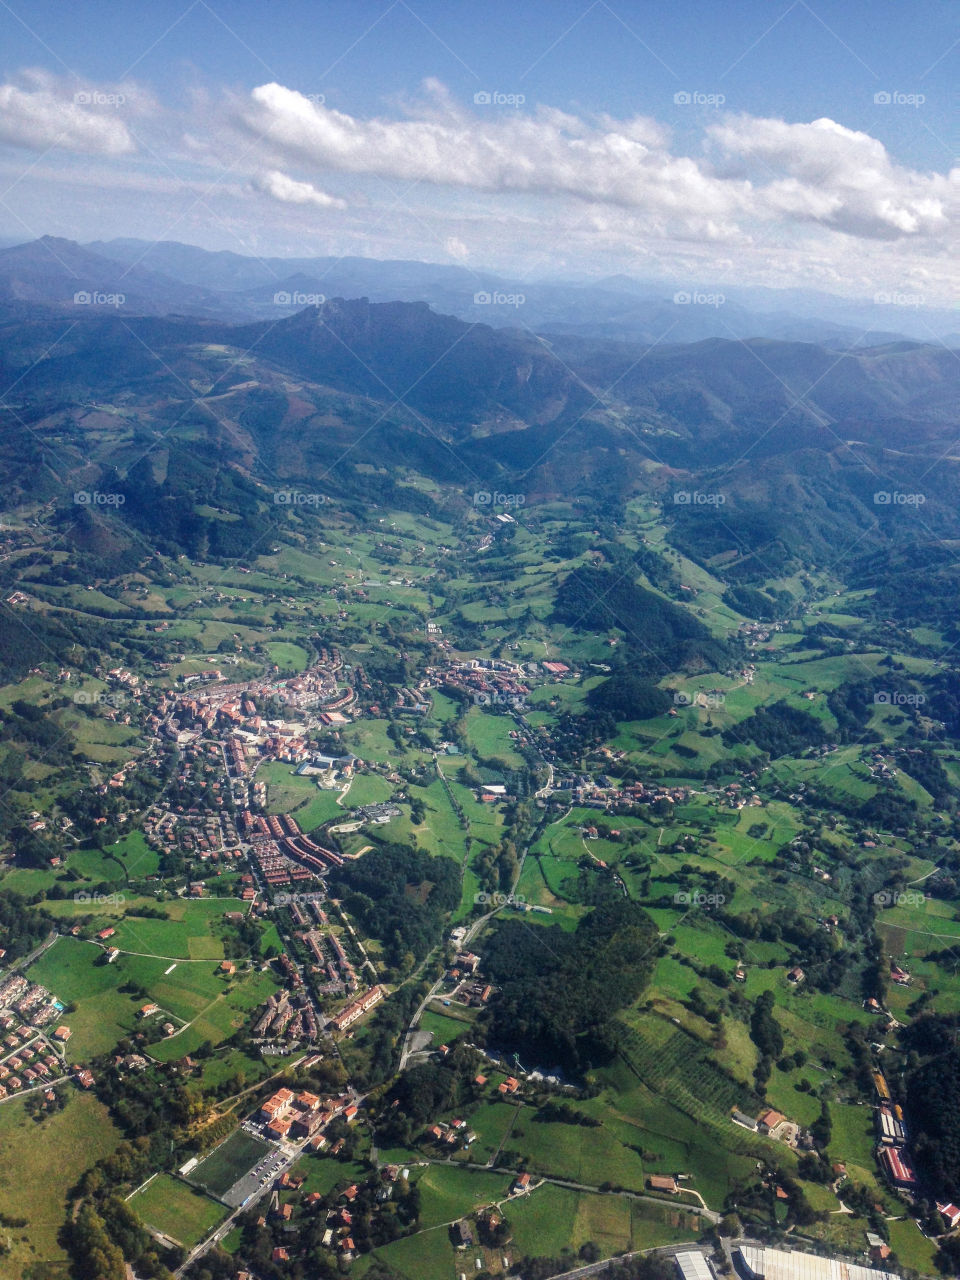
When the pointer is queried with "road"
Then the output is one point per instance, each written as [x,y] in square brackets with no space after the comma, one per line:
[35,1088]
[35,954]
[409,1040]
[367,962]
[547,788]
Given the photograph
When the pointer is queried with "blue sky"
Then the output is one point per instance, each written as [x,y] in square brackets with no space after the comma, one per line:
[816,146]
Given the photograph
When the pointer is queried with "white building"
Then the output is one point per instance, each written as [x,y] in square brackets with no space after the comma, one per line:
[693,1266]
[779,1264]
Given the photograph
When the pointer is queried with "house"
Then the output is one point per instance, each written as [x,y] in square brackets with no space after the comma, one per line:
[228,967]
[521,1184]
[769,1120]
[62,1034]
[796,975]
[147,1010]
[510,1085]
[106,933]
[463,1236]
[950,1214]
[663,1182]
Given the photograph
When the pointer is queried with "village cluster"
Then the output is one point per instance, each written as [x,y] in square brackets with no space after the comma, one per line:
[32,1049]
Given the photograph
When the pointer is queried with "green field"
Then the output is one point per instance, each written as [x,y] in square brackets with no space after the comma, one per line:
[428,1255]
[447,1193]
[553,1218]
[177,1210]
[193,992]
[39,1163]
[290,658]
[444,1029]
[190,932]
[287,792]
[323,1173]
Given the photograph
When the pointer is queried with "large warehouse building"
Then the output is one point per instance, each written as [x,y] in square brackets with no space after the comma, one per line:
[755,1263]
[693,1266]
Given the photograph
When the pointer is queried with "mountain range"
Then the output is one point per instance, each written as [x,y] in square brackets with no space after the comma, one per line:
[167,277]
[793,440]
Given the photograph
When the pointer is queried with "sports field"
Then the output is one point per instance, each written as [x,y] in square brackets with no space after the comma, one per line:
[177,1210]
[229,1162]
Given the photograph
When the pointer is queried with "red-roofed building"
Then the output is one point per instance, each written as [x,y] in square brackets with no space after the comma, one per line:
[899,1170]
[277,1104]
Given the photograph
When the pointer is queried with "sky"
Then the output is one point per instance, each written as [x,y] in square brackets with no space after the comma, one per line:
[774,143]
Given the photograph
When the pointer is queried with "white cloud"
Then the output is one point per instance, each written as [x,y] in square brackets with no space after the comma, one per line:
[766,171]
[543,152]
[824,172]
[42,113]
[289,191]
[456,248]
[515,188]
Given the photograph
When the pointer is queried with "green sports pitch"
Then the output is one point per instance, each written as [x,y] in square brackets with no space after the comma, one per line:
[228,1163]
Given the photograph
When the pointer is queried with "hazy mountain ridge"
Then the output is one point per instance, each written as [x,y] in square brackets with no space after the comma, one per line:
[796,439]
[168,276]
